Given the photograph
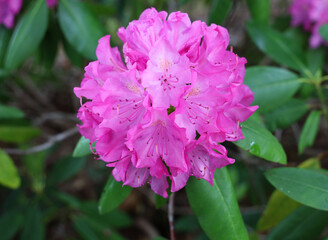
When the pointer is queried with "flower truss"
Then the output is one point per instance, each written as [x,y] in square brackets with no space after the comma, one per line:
[163,114]
[8,10]
[312,14]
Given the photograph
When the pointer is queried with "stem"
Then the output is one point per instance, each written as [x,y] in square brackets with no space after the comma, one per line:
[170,215]
[323,104]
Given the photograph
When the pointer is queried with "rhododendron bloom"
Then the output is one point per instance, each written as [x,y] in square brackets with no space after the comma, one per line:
[8,10]
[162,115]
[311,14]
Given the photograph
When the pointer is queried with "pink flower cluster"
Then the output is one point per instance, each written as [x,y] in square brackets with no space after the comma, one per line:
[312,14]
[8,10]
[163,114]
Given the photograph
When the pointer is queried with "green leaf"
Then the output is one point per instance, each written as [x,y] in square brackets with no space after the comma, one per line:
[4,73]
[309,131]
[33,225]
[34,164]
[159,238]
[82,148]
[113,195]
[277,46]
[303,223]
[323,30]
[260,10]
[306,186]
[7,112]
[285,115]
[83,229]
[28,34]
[315,59]
[279,205]
[4,40]
[10,223]
[48,49]
[115,218]
[80,27]
[94,229]
[18,134]
[65,168]
[260,142]
[219,10]
[8,173]
[216,207]
[71,201]
[74,56]
[297,36]
[160,201]
[186,224]
[272,86]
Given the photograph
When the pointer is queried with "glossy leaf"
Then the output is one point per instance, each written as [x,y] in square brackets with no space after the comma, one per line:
[309,131]
[260,142]
[303,223]
[65,168]
[285,115]
[113,195]
[216,207]
[219,10]
[277,46]
[8,173]
[7,112]
[80,27]
[18,134]
[34,225]
[82,148]
[28,34]
[306,186]
[279,205]
[272,86]
[323,30]
[10,223]
[260,10]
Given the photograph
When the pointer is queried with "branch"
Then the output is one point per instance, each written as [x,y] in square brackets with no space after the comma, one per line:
[55,116]
[38,148]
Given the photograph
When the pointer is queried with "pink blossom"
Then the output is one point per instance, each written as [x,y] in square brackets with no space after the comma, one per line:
[52,3]
[8,10]
[160,117]
[311,14]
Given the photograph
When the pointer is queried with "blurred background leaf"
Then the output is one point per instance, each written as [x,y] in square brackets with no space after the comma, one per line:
[27,35]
